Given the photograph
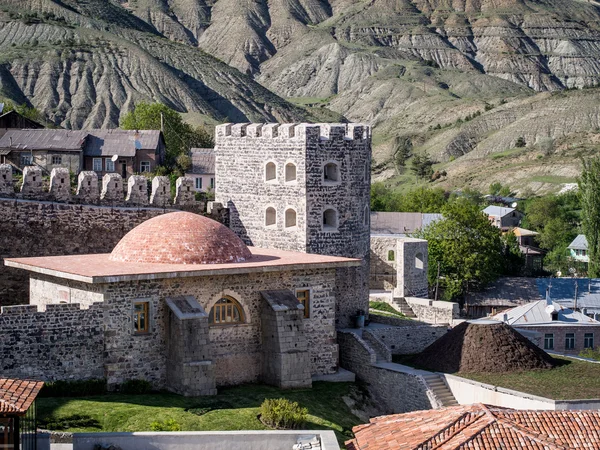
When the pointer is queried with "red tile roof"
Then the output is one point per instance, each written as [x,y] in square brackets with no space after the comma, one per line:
[16,396]
[479,427]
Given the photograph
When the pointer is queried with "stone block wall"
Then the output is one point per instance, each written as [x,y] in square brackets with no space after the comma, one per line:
[87,187]
[60,184]
[63,343]
[137,190]
[269,173]
[161,191]
[32,186]
[383,272]
[112,188]
[412,257]
[6,181]
[184,191]
[434,311]
[46,290]
[410,339]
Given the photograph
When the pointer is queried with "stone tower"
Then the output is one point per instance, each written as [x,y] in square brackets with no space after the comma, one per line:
[304,188]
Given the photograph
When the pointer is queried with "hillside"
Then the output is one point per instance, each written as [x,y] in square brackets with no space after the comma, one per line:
[415,69]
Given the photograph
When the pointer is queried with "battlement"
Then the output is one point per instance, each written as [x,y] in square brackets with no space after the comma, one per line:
[57,308]
[302,131]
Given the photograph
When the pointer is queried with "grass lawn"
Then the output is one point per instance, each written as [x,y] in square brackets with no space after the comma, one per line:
[385,310]
[234,408]
[572,380]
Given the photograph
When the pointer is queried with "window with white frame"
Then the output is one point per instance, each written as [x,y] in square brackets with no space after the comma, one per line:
[109,164]
[56,160]
[199,183]
[97,164]
[145,166]
[588,340]
[569,341]
[549,341]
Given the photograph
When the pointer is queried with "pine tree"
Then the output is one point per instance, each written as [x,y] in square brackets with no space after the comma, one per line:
[589,193]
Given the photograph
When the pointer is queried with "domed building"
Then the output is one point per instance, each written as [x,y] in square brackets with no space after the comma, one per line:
[183,303]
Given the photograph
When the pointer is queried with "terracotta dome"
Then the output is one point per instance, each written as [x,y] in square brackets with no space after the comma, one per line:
[181,238]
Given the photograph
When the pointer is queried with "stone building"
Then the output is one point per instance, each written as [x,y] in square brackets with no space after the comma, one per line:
[304,188]
[181,302]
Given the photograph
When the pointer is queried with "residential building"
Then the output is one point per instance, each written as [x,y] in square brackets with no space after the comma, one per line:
[18,426]
[479,427]
[553,327]
[534,256]
[578,249]
[202,169]
[13,120]
[503,217]
[103,151]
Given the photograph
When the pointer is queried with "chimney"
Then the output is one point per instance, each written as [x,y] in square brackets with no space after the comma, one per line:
[10,140]
[505,318]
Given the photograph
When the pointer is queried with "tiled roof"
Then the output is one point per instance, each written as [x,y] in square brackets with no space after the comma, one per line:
[16,396]
[579,243]
[479,427]
[203,161]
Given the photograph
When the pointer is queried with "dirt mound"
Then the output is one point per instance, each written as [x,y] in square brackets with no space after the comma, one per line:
[483,347]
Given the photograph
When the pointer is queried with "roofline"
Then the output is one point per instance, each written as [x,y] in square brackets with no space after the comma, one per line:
[352,262]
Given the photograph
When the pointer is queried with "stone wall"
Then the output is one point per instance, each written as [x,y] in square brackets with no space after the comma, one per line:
[383,273]
[412,264]
[408,340]
[254,168]
[434,311]
[395,392]
[64,342]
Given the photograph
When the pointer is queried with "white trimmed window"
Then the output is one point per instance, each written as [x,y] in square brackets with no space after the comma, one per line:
[109,164]
[290,218]
[290,172]
[145,166]
[56,160]
[97,163]
[270,217]
[199,183]
[270,172]
[330,220]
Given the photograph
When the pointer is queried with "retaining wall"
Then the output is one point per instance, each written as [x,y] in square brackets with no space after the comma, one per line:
[409,339]
[431,311]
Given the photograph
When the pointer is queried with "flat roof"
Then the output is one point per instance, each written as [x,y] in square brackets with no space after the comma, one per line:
[98,269]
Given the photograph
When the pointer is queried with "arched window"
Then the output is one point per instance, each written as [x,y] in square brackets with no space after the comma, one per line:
[227,311]
[366,215]
[331,172]
[330,220]
[290,172]
[290,218]
[270,217]
[270,171]
[419,261]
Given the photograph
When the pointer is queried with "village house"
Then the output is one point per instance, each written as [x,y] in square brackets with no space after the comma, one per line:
[503,217]
[553,327]
[578,249]
[202,170]
[126,152]
[18,422]
[13,120]
[534,256]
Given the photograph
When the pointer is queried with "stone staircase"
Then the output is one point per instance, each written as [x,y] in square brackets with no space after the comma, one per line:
[401,305]
[437,384]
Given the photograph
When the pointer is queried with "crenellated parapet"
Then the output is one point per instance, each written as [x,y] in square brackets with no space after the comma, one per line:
[87,187]
[32,186]
[137,190]
[302,131]
[112,188]
[161,192]
[7,188]
[60,184]
[184,191]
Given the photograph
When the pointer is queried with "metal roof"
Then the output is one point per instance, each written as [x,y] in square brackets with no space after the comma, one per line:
[579,243]
[120,142]
[400,222]
[498,211]
[540,313]
[518,231]
[44,139]
[203,161]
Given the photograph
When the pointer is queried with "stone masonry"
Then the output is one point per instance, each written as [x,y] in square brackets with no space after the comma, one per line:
[6,180]
[161,191]
[112,188]
[412,268]
[60,184]
[87,187]
[137,190]
[32,182]
[304,188]
[184,191]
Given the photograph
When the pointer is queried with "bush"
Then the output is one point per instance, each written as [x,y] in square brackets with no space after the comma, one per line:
[520,142]
[591,353]
[281,413]
[83,388]
[135,387]
[165,425]
[68,422]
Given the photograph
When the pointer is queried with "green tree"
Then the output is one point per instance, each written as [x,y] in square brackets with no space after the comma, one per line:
[514,261]
[180,137]
[423,200]
[495,188]
[589,195]
[422,166]
[505,191]
[402,151]
[468,248]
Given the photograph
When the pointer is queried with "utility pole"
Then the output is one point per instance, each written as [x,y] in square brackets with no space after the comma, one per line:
[162,122]
[575,304]
[437,281]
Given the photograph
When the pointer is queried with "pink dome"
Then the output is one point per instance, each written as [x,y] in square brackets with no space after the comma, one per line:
[181,238]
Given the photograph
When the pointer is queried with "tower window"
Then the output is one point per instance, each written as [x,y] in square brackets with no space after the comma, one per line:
[290,172]
[366,216]
[270,217]
[290,218]
[330,220]
[270,171]
[419,261]
[331,172]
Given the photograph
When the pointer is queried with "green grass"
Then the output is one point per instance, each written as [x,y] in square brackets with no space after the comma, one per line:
[235,408]
[386,310]
[572,380]
[553,179]
[509,152]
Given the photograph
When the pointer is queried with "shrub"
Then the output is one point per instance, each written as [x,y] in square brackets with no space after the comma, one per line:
[165,425]
[68,422]
[281,413]
[591,353]
[520,142]
[135,387]
[82,388]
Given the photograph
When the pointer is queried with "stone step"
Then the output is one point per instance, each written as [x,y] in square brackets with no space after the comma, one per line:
[401,305]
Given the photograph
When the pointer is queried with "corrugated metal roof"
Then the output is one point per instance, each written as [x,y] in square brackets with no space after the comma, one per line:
[400,222]
[538,312]
[120,142]
[518,231]
[498,211]
[579,243]
[203,161]
[66,140]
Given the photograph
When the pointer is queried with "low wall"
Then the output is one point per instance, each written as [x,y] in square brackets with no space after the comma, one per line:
[62,343]
[408,340]
[433,312]
[468,391]
[395,392]
[206,440]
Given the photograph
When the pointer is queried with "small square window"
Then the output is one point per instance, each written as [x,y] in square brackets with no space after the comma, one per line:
[141,317]
[145,166]
[303,297]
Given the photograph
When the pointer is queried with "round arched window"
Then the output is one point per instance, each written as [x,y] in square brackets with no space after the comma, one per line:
[227,311]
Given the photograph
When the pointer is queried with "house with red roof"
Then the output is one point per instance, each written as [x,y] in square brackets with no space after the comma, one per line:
[18,426]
